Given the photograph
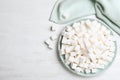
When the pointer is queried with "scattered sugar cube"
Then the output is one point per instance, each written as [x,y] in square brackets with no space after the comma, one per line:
[48,41]
[53,37]
[53,28]
[50,46]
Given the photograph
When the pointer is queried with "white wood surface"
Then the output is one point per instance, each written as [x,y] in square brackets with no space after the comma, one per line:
[24,26]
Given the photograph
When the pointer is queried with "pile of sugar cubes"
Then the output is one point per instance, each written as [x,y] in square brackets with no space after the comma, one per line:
[50,42]
[87,46]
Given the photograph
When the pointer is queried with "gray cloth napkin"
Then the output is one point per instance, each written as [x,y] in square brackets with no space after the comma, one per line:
[108,11]
[68,10]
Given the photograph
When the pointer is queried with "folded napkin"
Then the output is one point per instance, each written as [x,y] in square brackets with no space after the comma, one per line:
[108,11]
[68,10]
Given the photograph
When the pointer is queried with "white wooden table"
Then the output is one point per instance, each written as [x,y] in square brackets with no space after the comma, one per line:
[24,26]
